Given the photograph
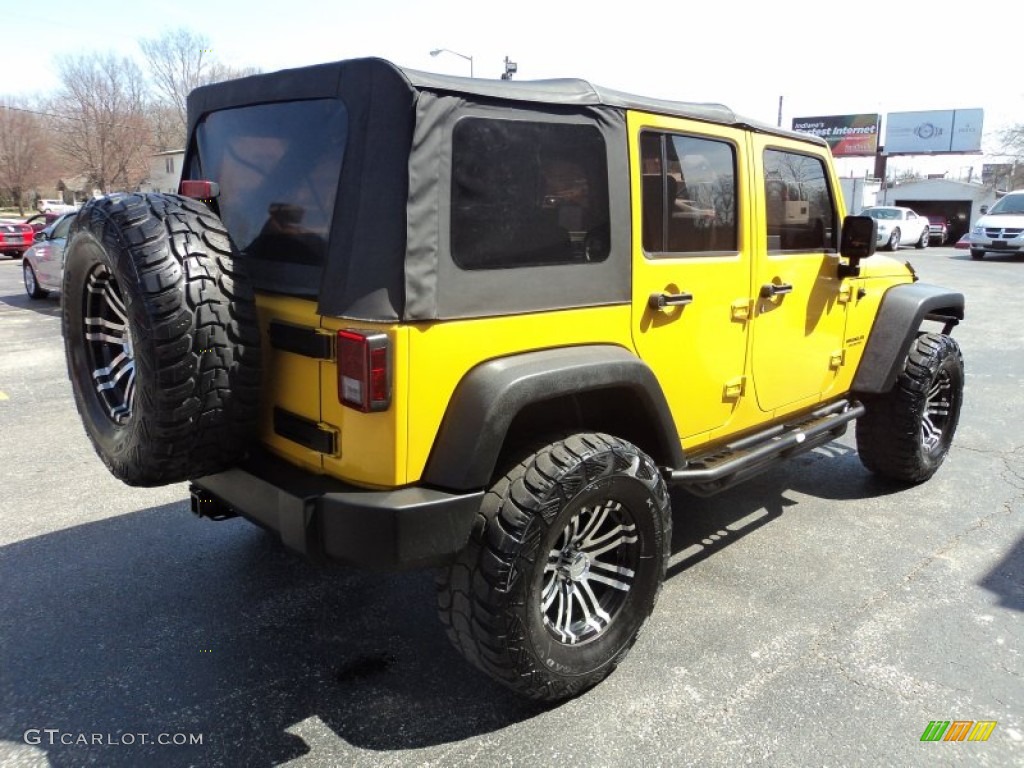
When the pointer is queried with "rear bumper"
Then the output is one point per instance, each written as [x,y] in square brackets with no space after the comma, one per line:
[326,519]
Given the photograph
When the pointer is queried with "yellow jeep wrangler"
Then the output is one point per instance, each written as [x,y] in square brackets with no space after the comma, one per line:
[406,320]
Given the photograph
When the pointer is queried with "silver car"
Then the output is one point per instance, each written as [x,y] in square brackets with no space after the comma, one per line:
[43,263]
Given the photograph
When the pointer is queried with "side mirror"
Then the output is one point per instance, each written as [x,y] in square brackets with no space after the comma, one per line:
[983,209]
[857,242]
[38,236]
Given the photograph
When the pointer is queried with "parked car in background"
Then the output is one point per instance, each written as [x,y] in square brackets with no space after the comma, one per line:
[898,225]
[938,228]
[43,265]
[41,221]
[55,206]
[15,237]
[1001,230]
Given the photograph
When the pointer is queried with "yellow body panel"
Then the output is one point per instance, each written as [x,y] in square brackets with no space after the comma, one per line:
[795,336]
[290,381]
[441,354]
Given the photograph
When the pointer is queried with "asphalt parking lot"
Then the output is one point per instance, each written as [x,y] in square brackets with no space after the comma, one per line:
[813,616]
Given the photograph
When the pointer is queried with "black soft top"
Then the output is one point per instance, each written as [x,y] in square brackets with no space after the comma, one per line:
[388,255]
[324,80]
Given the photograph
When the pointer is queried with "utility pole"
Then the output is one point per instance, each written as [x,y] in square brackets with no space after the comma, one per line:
[779,124]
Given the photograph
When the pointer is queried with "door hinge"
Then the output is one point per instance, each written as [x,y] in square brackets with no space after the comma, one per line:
[741,310]
[837,359]
[845,293]
[734,388]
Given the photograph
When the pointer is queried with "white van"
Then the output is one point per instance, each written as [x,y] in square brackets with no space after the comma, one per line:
[1001,229]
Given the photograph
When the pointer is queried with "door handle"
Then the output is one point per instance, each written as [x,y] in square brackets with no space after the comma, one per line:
[771,290]
[658,301]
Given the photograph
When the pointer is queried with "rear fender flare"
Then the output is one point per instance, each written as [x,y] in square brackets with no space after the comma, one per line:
[490,396]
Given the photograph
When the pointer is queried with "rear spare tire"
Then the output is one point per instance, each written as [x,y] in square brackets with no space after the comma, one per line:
[161,338]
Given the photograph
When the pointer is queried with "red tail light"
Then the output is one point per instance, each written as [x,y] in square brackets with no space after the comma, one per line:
[364,370]
[199,189]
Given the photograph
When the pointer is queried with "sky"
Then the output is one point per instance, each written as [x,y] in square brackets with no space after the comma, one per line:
[821,58]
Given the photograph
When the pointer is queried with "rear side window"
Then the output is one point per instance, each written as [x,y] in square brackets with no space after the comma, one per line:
[688,194]
[527,194]
[278,166]
[800,215]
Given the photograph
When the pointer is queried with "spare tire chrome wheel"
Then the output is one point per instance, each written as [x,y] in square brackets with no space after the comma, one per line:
[109,349]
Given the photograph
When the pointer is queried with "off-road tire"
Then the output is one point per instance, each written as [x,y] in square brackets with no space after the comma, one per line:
[906,433]
[161,338]
[32,288]
[573,496]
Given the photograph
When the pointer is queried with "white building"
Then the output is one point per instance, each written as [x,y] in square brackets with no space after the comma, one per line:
[164,171]
[959,201]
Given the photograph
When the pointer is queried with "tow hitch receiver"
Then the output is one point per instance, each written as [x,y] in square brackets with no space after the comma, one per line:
[205,504]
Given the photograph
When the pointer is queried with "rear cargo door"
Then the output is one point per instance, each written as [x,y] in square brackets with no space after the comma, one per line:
[277,168]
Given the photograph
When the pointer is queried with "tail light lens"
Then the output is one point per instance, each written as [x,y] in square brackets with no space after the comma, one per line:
[364,370]
[199,189]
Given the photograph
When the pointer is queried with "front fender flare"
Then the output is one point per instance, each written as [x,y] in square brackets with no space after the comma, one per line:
[898,322]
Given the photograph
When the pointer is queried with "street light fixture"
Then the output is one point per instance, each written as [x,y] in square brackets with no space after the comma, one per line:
[436,51]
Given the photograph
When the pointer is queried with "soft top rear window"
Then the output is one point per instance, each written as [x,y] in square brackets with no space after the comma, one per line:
[278,167]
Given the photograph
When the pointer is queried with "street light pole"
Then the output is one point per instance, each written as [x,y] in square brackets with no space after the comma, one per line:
[437,51]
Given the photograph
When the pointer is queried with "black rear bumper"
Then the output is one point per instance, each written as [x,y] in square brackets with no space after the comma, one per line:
[326,519]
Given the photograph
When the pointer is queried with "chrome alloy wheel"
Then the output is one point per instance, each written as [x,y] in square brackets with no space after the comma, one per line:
[937,405]
[590,572]
[109,346]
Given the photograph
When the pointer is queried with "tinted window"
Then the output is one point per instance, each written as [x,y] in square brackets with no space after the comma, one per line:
[799,210]
[527,194]
[278,167]
[61,228]
[688,194]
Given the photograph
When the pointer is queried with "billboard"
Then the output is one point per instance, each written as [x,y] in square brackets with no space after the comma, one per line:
[847,135]
[956,131]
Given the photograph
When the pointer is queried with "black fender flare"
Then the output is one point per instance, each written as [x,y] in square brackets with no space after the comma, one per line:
[490,395]
[898,322]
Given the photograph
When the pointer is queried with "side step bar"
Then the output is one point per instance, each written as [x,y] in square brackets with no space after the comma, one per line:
[742,459]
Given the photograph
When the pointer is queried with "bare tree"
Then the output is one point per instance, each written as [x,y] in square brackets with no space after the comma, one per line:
[26,159]
[178,62]
[1013,144]
[103,125]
